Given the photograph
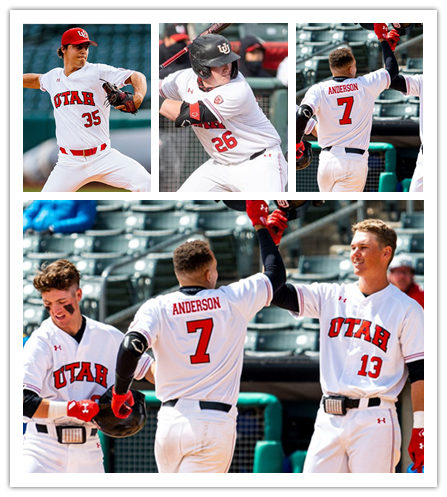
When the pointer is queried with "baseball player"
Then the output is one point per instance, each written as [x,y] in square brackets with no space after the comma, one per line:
[69,362]
[197,336]
[81,112]
[413,85]
[371,339]
[216,100]
[344,108]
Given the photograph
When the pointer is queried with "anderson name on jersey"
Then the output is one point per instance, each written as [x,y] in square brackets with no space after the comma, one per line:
[79,103]
[241,129]
[364,341]
[198,339]
[345,108]
[57,367]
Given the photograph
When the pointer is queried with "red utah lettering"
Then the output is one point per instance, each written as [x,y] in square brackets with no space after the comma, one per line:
[85,374]
[101,375]
[335,328]
[381,337]
[363,331]
[59,378]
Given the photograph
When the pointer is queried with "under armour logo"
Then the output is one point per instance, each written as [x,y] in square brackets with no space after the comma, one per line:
[421,446]
[58,347]
[381,420]
[224,48]
[342,299]
[85,406]
[190,91]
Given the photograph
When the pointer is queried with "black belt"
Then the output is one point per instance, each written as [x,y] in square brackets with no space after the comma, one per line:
[44,429]
[257,154]
[204,404]
[338,404]
[348,150]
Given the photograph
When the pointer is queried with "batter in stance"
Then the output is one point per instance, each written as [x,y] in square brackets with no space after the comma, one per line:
[371,339]
[216,100]
[69,362]
[197,335]
[344,108]
[82,119]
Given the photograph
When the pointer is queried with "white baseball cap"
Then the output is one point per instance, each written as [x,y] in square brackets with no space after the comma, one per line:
[401,260]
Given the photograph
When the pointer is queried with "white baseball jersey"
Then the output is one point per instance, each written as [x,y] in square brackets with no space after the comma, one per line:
[344,108]
[364,341]
[241,129]
[415,89]
[57,367]
[80,111]
[198,340]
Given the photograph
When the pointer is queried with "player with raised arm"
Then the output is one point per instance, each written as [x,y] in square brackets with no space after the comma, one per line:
[371,340]
[197,335]
[216,100]
[344,107]
[81,111]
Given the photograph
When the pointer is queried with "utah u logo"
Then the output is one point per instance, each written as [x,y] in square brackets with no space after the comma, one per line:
[224,48]
[83,34]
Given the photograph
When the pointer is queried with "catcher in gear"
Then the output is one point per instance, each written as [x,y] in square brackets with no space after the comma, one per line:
[121,100]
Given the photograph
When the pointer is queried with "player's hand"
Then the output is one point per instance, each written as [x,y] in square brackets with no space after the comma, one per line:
[122,404]
[416,449]
[393,38]
[85,410]
[381,30]
[299,150]
[257,211]
[276,224]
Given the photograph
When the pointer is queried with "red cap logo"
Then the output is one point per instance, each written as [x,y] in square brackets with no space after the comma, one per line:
[76,36]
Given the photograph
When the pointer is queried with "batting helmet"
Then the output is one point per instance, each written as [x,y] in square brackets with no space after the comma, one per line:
[212,51]
[115,427]
[306,157]
[294,209]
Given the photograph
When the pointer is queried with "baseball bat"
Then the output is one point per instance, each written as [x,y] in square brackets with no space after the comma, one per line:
[215,28]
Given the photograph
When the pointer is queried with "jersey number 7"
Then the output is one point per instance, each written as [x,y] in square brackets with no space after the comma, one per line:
[348,102]
[205,327]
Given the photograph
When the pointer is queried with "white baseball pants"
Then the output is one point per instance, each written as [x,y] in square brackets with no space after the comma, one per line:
[417,181]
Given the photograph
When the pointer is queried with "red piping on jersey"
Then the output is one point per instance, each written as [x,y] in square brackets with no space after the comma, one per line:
[413,356]
[392,442]
[213,109]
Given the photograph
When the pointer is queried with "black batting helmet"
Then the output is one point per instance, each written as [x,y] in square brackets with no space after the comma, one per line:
[115,427]
[212,51]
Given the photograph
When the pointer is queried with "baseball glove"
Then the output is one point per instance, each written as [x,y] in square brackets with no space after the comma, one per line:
[116,98]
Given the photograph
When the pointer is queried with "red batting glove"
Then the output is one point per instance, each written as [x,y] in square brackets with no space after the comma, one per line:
[392,38]
[299,150]
[122,404]
[257,211]
[381,30]
[276,224]
[416,448]
[85,410]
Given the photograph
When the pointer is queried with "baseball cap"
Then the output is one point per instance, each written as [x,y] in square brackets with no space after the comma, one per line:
[177,32]
[401,261]
[76,36]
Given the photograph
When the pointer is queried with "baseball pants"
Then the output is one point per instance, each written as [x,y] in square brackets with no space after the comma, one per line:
[265,173]
[365,440]
[417,181]
[42,453]
[191,440]
[339,171]
[109,166]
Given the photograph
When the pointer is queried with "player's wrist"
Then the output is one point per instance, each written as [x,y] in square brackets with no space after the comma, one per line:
[57,409]
[418,419]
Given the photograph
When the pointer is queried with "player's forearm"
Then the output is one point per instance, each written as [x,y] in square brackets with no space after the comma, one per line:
[417,395]
[31,80]
[170,109]
[131,349]
[138,81]
[389,58]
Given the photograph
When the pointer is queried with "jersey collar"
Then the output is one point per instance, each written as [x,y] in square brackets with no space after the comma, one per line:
[191,290]
[339,79]
[80,332]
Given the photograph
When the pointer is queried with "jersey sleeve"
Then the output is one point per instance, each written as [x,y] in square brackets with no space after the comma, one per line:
[312,98]
[143,366]
[414,85]
[36,363]
[309,300]
[114,75]
[251,294]
[412,333]
[146,321]
[376,82]
[168,87]
[231,100]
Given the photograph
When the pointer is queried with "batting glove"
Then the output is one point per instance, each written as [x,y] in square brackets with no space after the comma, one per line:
[381,30]
[299,150]
[392,38]
[122,404]
[85,410]
[416,449]
[257,211]
[276,224]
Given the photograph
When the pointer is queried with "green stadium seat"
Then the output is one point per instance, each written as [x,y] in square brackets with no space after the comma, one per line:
[63,243]
[203,205]
[103,242]
[33,261]
[33,315]
[412,220]
[331,266]
[273,318]
[414,64]
[348,26]
[267,32]
[396,111]
[391,96]
[94,263]
[154,206]
[410,242]
[315,26]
